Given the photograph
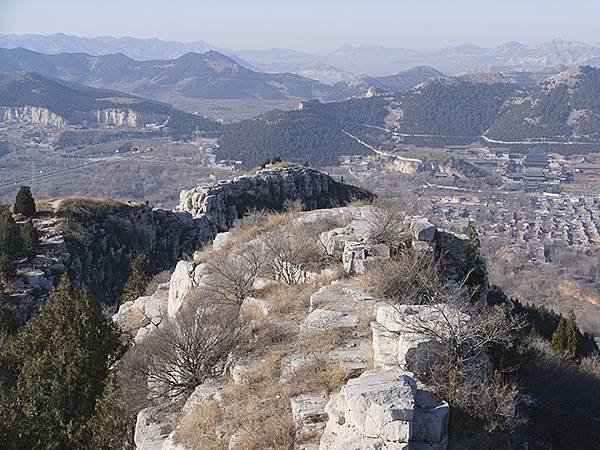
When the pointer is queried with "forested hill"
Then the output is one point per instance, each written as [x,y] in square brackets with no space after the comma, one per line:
[563,107]
[293,135]
[451,106]
[32,89]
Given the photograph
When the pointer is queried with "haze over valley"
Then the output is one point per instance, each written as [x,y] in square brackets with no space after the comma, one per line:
[256,232]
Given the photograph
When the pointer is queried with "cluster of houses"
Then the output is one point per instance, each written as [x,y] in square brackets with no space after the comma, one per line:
[545,221]
[533,171]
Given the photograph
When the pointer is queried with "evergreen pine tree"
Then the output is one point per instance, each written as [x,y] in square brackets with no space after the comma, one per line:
[572,338]
[55,368]
[10,244]
[559,338]
[24,202]
[113,423]
[139,278]
[475,273]
[29,238]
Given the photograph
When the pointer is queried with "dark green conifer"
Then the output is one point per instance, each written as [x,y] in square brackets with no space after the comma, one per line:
[10,245]
[113,423]
[139,278]
[559,338]
[54,372]
[475,272]
[24,202]
[29,238]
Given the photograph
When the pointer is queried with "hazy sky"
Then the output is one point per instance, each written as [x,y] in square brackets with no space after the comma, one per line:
[310,24]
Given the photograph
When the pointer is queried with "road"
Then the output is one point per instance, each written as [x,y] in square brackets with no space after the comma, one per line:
[537,142]
[383,153]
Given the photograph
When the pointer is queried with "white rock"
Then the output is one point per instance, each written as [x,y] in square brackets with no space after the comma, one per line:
[221,240]
[354,256]
[260,305]
[396,342]
[344,296]
[382,410]
[208,391]
[186,276]
[324,319]
[308,415]
[423,230]
[152,429]
[430,422]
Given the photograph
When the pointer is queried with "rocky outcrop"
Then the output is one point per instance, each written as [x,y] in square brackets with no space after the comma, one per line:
[382,406]
[33,115]
[43,117]
[102,246]
[268,189]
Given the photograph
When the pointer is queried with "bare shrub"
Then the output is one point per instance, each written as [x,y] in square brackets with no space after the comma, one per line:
[410,279]
[467,365]
[257,222]
[290,252]
[386,225]
[294,206]
[591,365]
[252,219]
[186,351]
[232,275]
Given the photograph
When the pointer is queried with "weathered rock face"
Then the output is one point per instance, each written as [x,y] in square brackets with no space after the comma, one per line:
[383,409]
[397,342]
[43,117]
[268,189]
[118,117]
[34,115]
[102,248]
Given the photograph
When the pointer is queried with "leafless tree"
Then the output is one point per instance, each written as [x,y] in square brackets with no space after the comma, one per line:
[386,226]
[290,252]
[231,275]
[458,367]
[461,336]
[187,350]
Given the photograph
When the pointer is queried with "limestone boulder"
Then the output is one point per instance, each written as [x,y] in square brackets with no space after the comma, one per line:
[325,319]
[208,391]
[153,428]
[186,276]
[342,296]
[383,409]
[397,341]
[423,230]
[221,240]
[309,416]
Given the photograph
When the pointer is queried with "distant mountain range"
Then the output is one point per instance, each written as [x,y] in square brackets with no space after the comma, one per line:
[336,65]
[209,75]
[133,47]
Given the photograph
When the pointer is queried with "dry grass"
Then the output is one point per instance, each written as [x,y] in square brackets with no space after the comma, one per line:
[197,427]
[409,279]
[256,411]
[254,224]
